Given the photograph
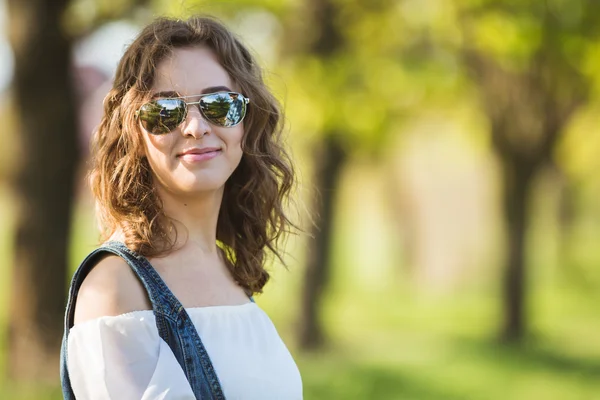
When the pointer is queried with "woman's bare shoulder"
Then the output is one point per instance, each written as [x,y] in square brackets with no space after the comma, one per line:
[111,288]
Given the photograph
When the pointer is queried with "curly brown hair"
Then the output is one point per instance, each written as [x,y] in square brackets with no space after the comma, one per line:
[252,217]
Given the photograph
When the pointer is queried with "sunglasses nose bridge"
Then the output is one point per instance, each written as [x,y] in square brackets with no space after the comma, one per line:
[194,108]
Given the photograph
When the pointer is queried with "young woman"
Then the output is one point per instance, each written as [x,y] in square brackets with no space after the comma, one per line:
[190,176]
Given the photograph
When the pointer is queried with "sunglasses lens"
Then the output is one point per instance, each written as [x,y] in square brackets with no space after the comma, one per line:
[224,109]
[163,115]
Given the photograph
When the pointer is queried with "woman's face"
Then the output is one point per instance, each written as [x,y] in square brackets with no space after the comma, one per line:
[190,72]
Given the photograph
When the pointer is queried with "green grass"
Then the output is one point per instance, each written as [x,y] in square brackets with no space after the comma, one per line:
[439,351]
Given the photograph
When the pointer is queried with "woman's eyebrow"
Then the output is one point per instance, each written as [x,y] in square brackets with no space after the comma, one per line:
[172,93]
[214,89]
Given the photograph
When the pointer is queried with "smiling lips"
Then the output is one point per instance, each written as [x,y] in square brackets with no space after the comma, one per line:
[197,154]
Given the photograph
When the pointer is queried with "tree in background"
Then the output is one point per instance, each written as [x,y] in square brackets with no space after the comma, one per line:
[339,61]
[43,184]
[530,62]
[324,43]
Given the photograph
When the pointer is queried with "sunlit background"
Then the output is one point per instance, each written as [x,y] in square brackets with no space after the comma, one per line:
[447,151]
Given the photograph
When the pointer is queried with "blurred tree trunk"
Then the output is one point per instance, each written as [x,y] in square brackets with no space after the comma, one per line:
[517,181]
[329,160]
[43,184]
[527,111]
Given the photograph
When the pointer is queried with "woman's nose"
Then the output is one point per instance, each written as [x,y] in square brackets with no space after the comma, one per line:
[195,125]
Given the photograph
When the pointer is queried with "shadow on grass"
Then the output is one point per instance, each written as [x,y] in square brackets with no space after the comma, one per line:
[349,380]
[531,356]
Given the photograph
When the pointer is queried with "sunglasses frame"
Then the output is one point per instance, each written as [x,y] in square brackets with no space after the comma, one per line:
[245,99]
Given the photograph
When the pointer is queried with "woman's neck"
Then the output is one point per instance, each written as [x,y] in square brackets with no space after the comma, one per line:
[195,218]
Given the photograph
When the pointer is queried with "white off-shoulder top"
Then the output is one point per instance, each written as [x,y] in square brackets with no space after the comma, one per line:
[123,357]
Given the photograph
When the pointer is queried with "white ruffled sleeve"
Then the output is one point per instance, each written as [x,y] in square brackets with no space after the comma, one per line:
[123,357]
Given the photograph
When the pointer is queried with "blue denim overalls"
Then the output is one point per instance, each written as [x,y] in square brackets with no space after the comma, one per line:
[173,323]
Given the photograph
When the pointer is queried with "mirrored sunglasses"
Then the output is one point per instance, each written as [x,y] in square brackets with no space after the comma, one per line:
[163,115]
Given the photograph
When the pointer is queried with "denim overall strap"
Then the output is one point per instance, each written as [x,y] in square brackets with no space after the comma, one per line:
[172,321]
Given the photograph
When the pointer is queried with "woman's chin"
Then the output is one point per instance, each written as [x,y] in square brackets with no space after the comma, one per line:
[201,188]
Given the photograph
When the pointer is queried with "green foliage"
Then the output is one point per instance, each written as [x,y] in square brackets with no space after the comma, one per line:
[563,34]
[512,40]
[227,9]
[84,16]
[365,86]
